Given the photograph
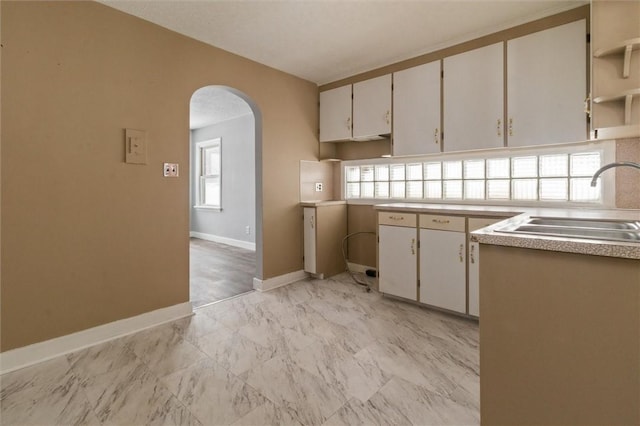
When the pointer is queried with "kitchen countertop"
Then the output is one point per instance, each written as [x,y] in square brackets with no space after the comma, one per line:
[517,215]
[321,203]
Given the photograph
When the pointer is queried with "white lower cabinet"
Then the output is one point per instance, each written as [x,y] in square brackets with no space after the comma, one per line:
[437,250]
[310,240]
[325,226]
[443,262]
[474,279]
[474,264]
[397,256]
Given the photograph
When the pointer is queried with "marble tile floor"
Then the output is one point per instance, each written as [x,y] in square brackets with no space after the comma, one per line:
[316,352]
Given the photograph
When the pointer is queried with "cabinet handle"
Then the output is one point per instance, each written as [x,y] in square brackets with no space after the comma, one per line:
[312,222]
[445,221]
[587,103]
[396,217]
[436,137]
[511,127]
[387,117]
[471,254]
[413,246]
[460,253]
[349,123]
[499,127]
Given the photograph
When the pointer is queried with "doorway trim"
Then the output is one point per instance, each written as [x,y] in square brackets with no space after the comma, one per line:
[257,115]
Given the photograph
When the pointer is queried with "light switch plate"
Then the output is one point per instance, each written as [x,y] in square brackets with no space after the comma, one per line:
[135,146]
[170,169]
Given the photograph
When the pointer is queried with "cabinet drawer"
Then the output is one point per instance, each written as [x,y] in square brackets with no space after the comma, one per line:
[476,223]
[397,219]
[444,223]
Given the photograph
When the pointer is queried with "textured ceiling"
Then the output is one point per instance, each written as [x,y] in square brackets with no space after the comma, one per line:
[211,104]
[326,40]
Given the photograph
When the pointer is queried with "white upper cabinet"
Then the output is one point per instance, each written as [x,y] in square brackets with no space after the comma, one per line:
[416,110]
[372,107]
[335,114]
[474,99]
[546,86]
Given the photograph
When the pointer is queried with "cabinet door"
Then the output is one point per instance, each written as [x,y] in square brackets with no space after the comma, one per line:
[474,264]
[335,114]
[443,269]
[416,110]
[474,99]
[397,265]
[474,279]
[546,86]
[310,240]
[372,107]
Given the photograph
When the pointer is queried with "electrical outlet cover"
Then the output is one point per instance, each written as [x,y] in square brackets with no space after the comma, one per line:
[170,169]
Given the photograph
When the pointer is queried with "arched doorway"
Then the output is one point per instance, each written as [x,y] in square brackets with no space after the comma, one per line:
[225,194]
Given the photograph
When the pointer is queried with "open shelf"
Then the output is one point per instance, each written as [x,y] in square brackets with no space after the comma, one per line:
[625,47]
[618,132]
[627,96]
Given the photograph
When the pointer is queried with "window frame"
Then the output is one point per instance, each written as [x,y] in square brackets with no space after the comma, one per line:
[605,149]
[200,178]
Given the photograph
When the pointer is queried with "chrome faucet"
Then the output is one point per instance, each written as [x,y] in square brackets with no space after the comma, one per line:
[611,165]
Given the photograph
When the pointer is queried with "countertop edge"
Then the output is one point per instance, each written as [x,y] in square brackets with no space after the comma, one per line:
[518,214]
[559,244]
[322,203]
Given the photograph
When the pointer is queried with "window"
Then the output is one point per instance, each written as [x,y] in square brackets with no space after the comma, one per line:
[208,172]
[546,176]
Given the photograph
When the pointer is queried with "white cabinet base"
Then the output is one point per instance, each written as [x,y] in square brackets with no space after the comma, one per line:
[474,279]
[397,261]
[443,269]
[310,240]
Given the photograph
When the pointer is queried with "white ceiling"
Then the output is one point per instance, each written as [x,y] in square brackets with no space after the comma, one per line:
[211,104]
[326,40]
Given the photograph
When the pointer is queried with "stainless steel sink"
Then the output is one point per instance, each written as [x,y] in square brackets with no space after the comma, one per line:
[585,223]
[606,230]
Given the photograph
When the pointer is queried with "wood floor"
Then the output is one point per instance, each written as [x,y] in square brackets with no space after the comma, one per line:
[218,271]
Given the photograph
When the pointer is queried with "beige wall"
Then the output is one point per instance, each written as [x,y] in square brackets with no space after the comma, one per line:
[86,238]
[312,172]
[362,248]
[560,338]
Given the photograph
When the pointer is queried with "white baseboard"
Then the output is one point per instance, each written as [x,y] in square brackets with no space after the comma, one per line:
[279,281]
[224,240]
[25,356]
